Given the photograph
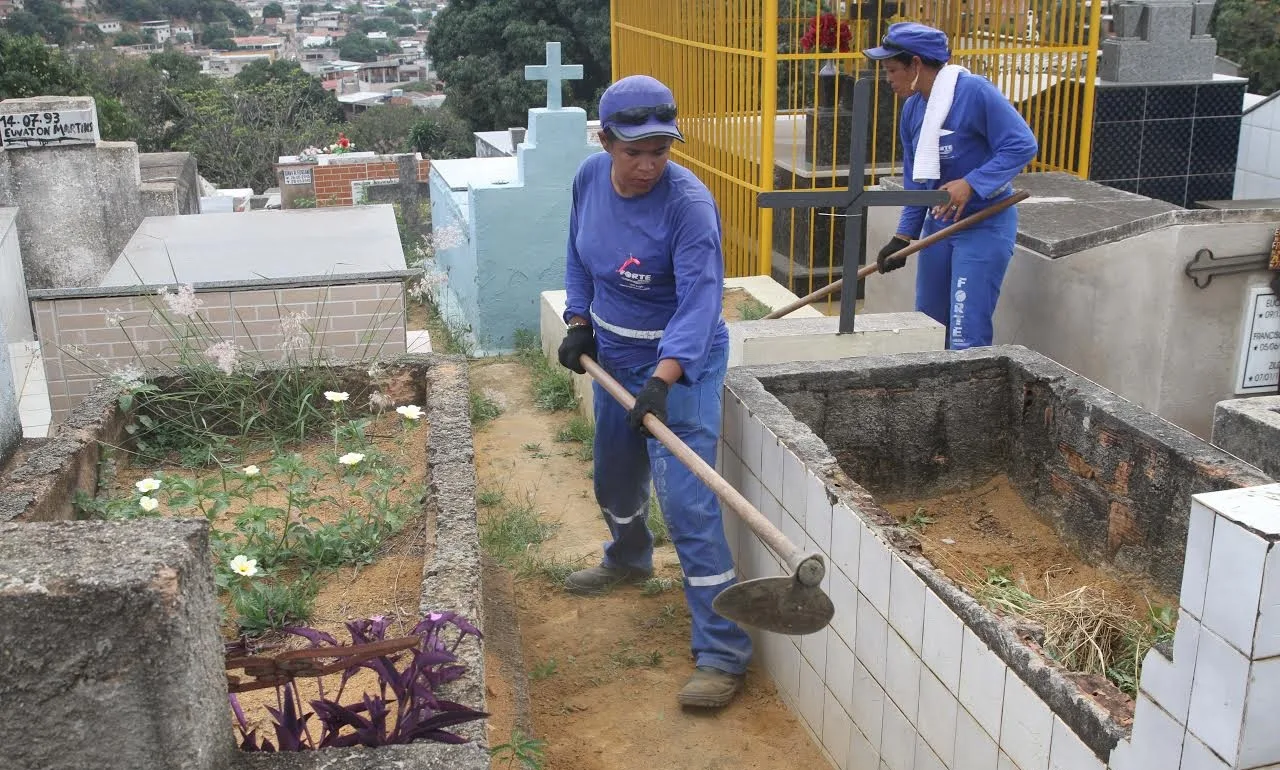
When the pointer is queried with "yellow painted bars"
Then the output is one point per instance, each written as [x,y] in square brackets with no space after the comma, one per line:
[752,98]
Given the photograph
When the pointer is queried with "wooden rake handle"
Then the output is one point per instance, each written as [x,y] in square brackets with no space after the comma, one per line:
[771,535]
[915,246]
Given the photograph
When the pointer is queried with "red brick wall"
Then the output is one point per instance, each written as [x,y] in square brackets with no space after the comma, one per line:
[333,183]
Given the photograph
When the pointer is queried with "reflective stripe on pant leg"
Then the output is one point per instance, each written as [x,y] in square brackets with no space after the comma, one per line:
[979,259]
[933,276]
[620,474]
[693,518]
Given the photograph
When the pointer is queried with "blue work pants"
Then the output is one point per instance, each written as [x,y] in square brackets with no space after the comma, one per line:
[625,461]
[958,280]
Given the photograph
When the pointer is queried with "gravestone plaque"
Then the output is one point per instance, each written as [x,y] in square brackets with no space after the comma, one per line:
[297,176]
[47,121]
[1259,367]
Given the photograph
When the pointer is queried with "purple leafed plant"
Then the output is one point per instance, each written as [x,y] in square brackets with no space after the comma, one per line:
[405,708]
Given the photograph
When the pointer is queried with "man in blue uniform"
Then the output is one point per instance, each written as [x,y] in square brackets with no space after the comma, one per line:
[959,134]
[644,276]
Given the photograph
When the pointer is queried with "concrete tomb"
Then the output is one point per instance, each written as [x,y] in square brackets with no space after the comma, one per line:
[1249,428]
[1150,300]
[79,199]
[914,671]
[501,223]
[275,283]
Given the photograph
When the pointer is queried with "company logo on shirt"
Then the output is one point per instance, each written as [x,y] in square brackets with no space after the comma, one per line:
[946,150]
[632,278]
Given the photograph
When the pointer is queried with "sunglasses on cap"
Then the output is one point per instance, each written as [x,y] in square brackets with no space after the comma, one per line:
[634,116]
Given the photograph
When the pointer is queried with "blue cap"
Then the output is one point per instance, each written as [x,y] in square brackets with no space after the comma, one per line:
[912,38]
[635,93]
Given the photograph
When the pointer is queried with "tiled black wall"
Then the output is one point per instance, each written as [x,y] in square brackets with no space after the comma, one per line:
[1176,143]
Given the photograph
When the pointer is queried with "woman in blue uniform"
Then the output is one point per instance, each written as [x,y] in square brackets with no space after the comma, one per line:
[959,134]
[644,277]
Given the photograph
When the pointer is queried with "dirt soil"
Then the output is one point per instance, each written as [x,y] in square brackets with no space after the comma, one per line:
[391,585]
[602,673]
[990,526]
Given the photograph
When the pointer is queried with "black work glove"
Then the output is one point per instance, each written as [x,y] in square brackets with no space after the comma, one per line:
[887,265]
[580,339]
[652,399]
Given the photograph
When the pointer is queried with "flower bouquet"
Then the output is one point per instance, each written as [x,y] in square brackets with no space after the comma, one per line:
[827,34]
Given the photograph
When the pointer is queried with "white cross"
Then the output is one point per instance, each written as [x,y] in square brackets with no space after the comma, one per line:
[555,74]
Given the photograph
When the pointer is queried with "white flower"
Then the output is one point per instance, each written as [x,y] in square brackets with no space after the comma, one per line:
[447,237]
[148,503]
[410,412]
[294,333]
[183,302]
[243,566]
[147,485]
[336,395]
[251,470]
[351,458]
[224,355]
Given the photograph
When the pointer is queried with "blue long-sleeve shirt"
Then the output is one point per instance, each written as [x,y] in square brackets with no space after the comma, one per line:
[648,271]
[985,142]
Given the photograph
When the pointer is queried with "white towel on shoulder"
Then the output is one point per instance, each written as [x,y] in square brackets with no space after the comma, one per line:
[928,165]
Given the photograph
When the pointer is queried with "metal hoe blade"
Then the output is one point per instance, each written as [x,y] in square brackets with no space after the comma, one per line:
[782,605]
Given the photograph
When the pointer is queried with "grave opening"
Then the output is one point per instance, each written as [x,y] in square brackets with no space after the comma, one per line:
[366,512]
[1026,487]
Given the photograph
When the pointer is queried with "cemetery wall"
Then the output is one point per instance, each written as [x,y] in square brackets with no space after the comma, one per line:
[77,208]
[89,335]
[1122,311]
[15,311]
[338,183]
[912,672]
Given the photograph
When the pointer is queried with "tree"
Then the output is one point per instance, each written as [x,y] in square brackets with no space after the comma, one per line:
[30,68]
[237,133]
[357,46]
[273,11]
[1248,34]
[306,9]
[128,37]
[440,134]
[481,47]
[383,129]
[311,95]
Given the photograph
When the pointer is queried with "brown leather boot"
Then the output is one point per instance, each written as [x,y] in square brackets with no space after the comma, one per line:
[709,688]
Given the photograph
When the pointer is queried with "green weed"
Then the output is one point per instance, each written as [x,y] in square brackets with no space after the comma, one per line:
[543,670]
[489,497]
[483,409]
[656,585]
[630,658]
[657,524]
[752,309]
[552,384]
[521,751]
[508,534]
[550,568]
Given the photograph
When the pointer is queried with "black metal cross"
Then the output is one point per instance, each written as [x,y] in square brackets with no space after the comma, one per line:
[854,202]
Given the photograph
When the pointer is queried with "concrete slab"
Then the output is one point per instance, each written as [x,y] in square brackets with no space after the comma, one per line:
[260,244]
[1249,428]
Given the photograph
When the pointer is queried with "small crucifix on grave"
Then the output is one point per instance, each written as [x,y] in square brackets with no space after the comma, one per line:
[854,202]
[555,74]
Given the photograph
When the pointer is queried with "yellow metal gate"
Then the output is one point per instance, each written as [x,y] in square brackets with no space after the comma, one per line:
[760,99]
